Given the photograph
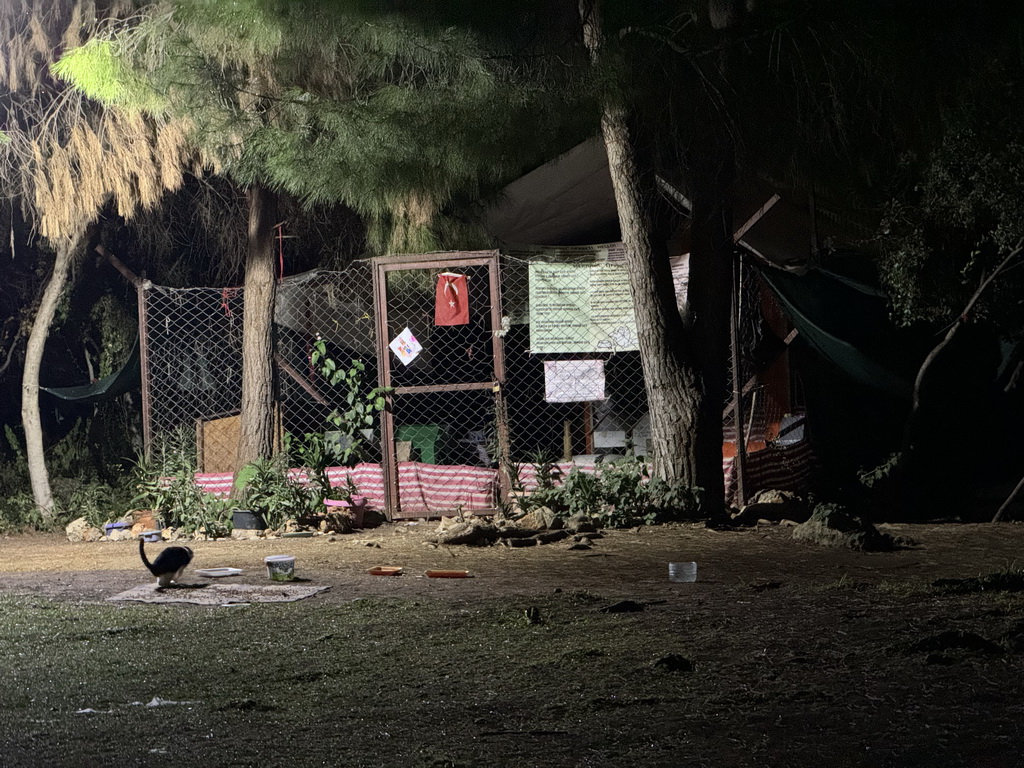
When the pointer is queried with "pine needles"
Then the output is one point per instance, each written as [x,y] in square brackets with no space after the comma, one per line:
[67,156]
[383,115]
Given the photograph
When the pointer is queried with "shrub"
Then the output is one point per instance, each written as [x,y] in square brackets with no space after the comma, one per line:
[616,495]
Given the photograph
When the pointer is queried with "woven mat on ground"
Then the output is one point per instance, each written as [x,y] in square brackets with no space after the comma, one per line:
[220,594]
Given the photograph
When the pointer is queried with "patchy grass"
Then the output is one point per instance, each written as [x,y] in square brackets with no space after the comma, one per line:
[792,676]
[363,683]
[782,654]
[1001,581]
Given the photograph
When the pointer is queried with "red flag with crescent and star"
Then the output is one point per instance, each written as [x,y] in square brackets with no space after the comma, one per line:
[451,305]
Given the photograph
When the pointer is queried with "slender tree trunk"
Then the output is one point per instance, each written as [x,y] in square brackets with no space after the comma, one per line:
[256,438]
[1002,514]
[909,459]
[673,394]
[929,360]
[30,416]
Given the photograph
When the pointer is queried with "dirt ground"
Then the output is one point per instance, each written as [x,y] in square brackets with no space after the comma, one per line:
[780,654]
[632,563]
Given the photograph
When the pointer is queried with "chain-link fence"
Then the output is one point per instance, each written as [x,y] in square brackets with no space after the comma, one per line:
[574,384]
[193,361]
[490,363]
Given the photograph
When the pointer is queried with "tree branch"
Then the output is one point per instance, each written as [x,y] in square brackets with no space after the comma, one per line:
[119,265]
[960,321]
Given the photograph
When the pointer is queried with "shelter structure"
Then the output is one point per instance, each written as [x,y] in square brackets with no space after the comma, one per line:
[570,201]
[496,363]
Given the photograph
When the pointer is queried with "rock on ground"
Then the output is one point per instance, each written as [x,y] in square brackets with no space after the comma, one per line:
[540,519]
[474,532]
[832,526]
[80,530]
[773,505]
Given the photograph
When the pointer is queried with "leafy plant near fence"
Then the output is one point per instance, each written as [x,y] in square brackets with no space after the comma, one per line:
[354,420]
[267,489]
[166,484]
[617,495]
[77,490]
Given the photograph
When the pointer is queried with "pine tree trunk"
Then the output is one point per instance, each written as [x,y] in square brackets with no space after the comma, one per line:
[673,394]
[256,435]
[709,295]
[30,416]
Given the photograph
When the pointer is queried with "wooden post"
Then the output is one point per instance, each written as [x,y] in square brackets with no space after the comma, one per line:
[145,382]
[588,428]
[504,458]
[389,460]
[141,286]
[740,461]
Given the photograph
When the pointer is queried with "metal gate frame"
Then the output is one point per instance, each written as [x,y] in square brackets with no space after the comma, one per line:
[381,266]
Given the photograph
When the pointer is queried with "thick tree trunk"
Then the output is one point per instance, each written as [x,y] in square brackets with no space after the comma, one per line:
[256,438]
[673,394]
[709,297]
[711,172]
[30,416]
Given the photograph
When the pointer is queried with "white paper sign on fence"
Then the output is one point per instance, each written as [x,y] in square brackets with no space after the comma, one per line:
[406,346]
[573,381]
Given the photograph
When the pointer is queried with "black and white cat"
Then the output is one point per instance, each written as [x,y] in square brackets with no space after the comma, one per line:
[168,565]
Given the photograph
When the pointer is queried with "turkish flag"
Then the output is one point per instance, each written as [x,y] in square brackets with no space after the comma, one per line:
[451,306]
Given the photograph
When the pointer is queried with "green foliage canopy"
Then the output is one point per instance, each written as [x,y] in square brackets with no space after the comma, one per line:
[385,115]
[961,210]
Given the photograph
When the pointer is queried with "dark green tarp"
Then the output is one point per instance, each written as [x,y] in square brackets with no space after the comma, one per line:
[126,379]
[848,323]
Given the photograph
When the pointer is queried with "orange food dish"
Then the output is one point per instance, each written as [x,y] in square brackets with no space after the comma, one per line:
[447,574]
[385,570]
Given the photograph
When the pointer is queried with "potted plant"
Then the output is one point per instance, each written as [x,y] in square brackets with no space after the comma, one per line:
[265,490]
[167,487]
[349,499]
[244,518]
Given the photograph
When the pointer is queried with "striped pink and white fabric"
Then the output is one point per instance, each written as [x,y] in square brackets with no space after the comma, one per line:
[216,483]
[428,488]
[528,473]
[777,467]
[434,489]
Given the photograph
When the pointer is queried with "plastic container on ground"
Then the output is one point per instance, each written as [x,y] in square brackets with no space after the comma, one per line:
[682,572]
[280,567]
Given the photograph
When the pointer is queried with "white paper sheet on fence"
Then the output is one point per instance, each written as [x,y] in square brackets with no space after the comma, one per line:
[405,346]
[573,381]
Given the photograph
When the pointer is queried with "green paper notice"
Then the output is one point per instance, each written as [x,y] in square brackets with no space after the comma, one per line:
[580,308]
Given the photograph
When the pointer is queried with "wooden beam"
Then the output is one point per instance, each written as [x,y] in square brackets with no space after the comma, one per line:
[119,265]
[737,236]
[301,380]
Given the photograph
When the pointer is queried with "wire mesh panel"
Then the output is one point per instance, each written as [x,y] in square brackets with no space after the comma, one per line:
[493,367]
[193,365]
[331,312]
[443,363]
[574,381]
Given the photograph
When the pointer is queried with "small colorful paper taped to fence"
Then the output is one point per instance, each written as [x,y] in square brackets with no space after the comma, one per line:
[406,347]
